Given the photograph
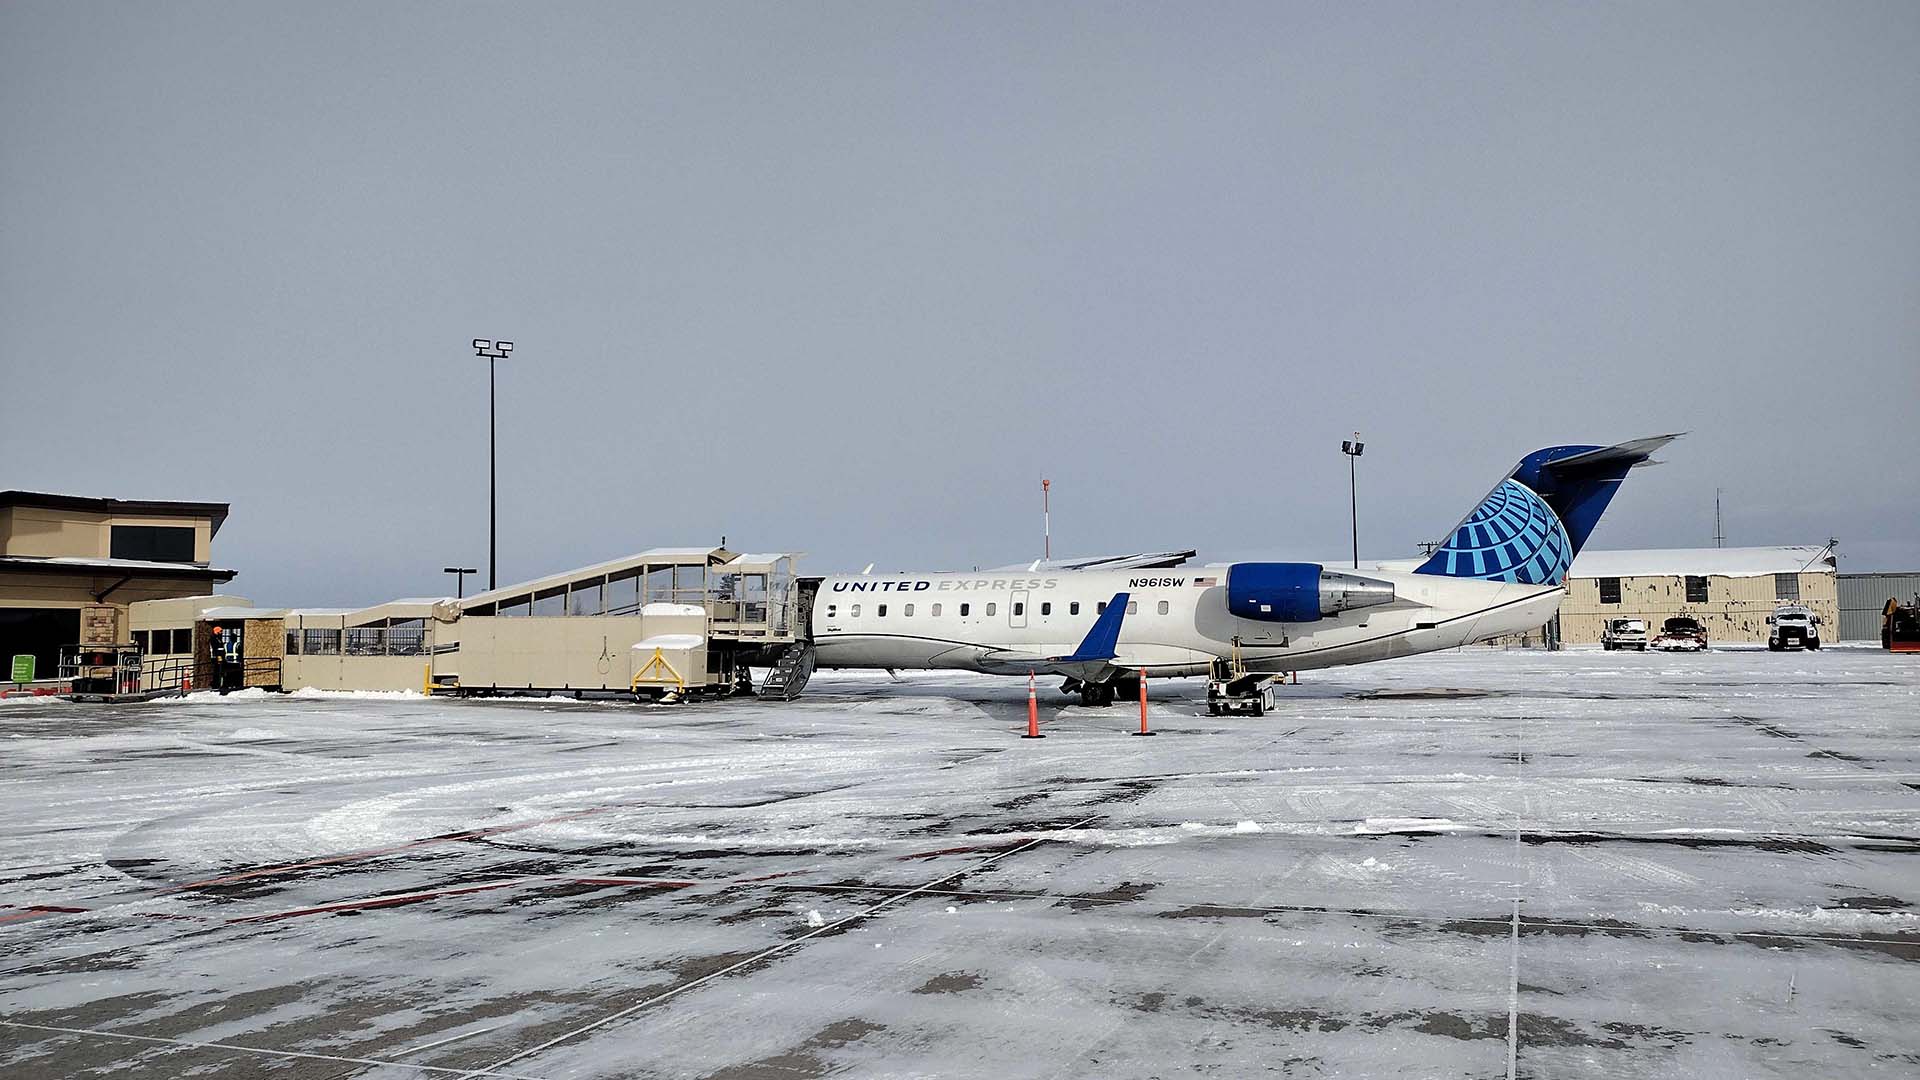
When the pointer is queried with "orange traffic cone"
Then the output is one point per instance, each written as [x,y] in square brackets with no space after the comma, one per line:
[1143,704]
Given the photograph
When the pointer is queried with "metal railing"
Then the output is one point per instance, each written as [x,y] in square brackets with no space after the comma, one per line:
[165,672]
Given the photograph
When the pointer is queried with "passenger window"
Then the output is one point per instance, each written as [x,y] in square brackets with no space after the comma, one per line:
[1163,607]
[963,610]
[1019,609]
[855,611]
[907,611]
[1100,608]
[1073,608]
[1133,607]
[880,611]
[1046,608]
[990,608]
[831,608]
[936,611]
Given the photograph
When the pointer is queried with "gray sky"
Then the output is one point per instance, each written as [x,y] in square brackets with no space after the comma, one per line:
[864,273]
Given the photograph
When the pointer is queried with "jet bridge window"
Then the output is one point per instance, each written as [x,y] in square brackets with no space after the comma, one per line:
[320,642]
[551,601]
[623,593]
[583,597]
[1696,589]
[1609,590]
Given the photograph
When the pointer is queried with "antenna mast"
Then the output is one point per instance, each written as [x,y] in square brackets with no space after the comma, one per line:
[1046,518]
[1719,535]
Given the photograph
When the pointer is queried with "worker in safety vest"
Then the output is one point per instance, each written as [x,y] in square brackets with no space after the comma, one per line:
[226,659]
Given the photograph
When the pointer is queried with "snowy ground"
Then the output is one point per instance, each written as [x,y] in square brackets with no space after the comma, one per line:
[1712,859]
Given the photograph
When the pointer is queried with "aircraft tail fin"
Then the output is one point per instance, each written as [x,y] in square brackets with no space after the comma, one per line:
[1532,524]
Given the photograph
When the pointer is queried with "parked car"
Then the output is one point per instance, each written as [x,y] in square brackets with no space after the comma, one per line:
[1682,633]
[1624,634]
[1793,627]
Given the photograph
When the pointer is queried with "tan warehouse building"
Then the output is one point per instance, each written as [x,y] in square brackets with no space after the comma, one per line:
[70,567]
[1730,590]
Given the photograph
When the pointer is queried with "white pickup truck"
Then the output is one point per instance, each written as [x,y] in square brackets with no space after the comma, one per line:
[1792,626]
[1624,634]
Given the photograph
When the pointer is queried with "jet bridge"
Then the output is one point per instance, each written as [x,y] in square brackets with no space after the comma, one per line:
[670,623]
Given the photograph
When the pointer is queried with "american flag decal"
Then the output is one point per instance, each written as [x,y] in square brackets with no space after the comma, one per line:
[1205,581]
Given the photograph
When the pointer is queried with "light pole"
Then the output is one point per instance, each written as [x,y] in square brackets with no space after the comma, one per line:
[1353,448]
[493,351]
[460,578]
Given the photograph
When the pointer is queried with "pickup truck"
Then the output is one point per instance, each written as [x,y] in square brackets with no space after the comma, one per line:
[1793,627]
[1624,634]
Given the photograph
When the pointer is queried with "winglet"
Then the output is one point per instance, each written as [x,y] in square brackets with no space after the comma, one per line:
[1101,641]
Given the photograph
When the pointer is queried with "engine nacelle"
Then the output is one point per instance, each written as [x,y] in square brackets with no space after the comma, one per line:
[1298,592]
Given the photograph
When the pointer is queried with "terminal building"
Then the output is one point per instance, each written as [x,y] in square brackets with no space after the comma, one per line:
[71,568]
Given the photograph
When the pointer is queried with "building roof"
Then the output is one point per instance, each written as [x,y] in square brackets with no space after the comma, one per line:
[89,505]
[135,567]
[1704,562]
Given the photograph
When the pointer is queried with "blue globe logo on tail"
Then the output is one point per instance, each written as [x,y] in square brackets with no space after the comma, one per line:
[1513,535]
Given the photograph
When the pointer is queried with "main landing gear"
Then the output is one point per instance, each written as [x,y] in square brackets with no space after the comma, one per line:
[1101,694]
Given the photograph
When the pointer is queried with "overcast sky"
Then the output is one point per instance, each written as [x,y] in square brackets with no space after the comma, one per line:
[850,279]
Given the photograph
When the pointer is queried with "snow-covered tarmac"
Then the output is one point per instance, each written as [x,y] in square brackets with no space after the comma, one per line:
[1605,865]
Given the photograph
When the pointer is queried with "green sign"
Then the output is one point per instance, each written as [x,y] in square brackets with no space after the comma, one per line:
[23,668]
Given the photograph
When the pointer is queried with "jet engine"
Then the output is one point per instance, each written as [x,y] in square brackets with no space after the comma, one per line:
[1298,592]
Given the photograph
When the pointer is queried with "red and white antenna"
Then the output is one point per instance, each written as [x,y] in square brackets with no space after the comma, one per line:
[1046,518]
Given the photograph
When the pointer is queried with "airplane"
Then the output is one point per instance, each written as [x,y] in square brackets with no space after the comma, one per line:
[1501,571]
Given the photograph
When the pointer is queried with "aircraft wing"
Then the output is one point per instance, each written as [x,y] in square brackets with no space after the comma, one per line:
[1144,560]
[1090,662]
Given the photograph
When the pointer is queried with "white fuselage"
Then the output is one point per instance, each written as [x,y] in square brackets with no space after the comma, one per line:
[1177,620]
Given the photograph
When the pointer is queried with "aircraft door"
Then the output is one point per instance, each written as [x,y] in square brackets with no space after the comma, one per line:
[1017,610]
